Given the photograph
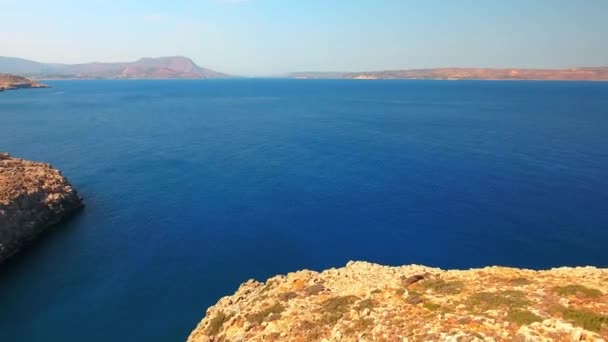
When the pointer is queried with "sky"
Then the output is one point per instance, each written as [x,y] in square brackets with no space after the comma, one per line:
[273,37]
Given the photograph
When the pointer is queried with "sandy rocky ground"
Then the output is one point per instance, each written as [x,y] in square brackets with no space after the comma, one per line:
[370,302]
[33,197]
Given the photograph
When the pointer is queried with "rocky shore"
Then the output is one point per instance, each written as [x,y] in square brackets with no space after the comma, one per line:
[10,82]
[370,302]
[33,197]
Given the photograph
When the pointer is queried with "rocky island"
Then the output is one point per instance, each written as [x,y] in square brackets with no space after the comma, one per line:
[10,82]
[33,197]
[370,302]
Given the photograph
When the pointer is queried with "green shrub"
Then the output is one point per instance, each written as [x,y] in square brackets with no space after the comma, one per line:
[431,306]
[259,317]
[442,286]
[578,290]
[366,304]
[334,308]
[523,317]
[586,319]
[493,300]
[520,281]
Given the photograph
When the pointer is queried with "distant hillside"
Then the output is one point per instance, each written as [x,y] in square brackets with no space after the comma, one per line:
[586,73]
[145,68]
[9,82]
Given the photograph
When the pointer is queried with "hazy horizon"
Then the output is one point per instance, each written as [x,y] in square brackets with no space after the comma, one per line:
[270,37]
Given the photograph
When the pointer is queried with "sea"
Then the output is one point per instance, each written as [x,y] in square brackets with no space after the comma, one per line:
[195,186]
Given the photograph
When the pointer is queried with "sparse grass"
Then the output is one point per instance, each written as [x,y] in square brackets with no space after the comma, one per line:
[261,316]
[520,281]
[286,296]
[312,329]
[366,304]
[431,306]
[443,287]
[556,310]
[314,290]
[412,279]
[502,299]
[334,308]
[216,323]
[578,290]
[585,319]
[523,317]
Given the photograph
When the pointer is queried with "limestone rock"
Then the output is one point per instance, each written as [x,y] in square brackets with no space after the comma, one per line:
[370,302]
[33,197]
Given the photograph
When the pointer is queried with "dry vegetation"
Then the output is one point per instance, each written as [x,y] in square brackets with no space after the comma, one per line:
[368,302]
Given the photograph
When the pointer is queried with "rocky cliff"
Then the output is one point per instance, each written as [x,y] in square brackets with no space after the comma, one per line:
[9,82]
[369,302]
[33,197]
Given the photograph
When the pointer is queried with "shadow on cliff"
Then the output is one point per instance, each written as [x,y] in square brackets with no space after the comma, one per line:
[27,251]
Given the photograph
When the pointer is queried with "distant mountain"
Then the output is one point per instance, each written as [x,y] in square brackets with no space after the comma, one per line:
[585,73]
[145,68]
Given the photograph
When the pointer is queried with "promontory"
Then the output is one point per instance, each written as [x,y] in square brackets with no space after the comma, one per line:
[370,302]
[10,82]
[33,197]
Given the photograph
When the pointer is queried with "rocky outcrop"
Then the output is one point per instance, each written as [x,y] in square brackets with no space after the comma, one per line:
[33,197]
[370,302]
[10,82]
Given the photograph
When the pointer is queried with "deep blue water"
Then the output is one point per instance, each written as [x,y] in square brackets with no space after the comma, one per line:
[193,187]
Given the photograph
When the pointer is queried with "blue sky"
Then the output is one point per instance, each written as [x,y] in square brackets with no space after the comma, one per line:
[270,37]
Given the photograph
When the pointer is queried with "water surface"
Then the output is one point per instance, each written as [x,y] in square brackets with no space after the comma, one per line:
[193,187]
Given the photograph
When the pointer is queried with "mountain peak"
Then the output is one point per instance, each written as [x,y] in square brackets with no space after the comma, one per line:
[147,67]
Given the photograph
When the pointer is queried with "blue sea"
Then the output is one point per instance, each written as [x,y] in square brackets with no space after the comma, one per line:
[193,187]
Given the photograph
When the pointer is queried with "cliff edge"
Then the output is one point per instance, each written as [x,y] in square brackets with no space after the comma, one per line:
[33,197]
[370,302]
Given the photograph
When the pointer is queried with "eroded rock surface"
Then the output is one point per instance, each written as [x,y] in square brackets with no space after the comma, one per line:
[33,197]
[370,302]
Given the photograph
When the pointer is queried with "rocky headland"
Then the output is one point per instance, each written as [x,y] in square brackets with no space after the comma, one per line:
[370,302]
[33,197]
[10,82]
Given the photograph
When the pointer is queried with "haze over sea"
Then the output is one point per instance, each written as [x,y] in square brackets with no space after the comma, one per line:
[193,187]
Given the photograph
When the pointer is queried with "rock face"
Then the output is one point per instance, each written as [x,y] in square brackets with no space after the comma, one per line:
[10,82]
[33,197]
[370,302]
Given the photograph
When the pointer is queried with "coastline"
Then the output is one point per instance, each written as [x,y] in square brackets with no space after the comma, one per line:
[34,196]
[369,302]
